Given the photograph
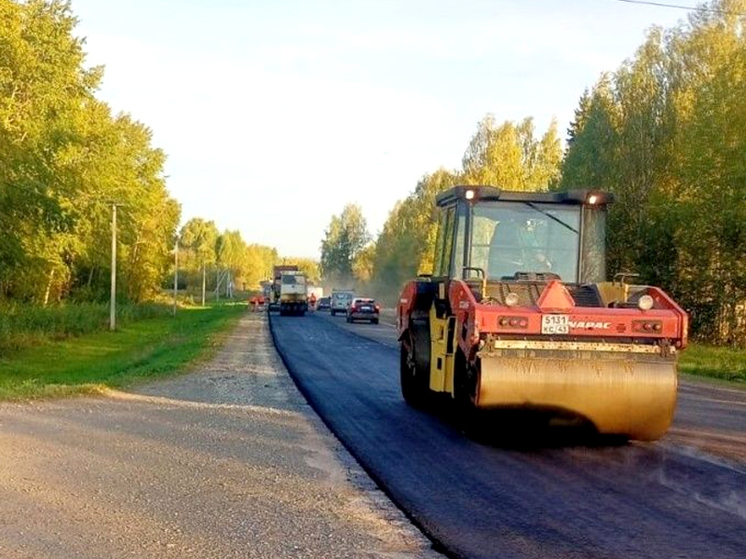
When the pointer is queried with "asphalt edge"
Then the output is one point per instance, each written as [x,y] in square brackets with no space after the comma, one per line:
[435,544]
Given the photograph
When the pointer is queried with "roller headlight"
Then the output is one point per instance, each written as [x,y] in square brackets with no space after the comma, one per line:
[511,299]
[645,303]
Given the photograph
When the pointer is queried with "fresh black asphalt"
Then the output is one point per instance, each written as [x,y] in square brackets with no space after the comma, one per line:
[481,500]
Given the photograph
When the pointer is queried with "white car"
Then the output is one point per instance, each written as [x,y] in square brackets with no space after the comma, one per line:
[340,301]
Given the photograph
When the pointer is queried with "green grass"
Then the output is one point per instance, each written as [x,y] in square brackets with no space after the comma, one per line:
[715,362]
[139,350]
[24,325]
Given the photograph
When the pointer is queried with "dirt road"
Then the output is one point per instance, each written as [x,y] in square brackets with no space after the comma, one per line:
[225,462]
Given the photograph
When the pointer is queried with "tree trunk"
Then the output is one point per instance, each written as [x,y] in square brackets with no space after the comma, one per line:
[49,287]
[204,272]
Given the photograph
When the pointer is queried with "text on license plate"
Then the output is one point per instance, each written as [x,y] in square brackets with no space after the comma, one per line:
[555,324]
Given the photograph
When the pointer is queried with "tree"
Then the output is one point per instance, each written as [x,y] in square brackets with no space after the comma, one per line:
[42,88]
[259,262]
[665,133]
[581,116]
[509,156]
[494,156]
[346,236]
[405,246]
[231,254]
[362,267]
[308,266]
[65,159]
[200,237]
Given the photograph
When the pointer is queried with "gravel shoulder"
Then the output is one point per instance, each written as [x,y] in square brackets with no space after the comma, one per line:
[228,461]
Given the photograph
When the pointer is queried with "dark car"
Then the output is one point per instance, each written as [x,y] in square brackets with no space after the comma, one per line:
[363,309]
[324,304]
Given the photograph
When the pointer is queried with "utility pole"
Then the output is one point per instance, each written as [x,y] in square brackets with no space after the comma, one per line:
[113,298]
[176,272]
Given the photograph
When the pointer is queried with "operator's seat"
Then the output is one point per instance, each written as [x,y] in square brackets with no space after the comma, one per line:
[506,253]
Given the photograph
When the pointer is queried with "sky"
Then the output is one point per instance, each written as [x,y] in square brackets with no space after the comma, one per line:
[276,114]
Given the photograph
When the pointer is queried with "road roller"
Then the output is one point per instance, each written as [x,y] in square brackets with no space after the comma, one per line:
[518,313]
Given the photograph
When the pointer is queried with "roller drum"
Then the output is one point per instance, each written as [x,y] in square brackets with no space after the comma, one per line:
[621,393]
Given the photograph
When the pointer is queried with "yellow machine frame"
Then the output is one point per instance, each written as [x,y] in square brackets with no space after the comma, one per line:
[441,359]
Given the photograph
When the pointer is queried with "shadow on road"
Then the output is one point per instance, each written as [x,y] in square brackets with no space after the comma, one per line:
[522,429]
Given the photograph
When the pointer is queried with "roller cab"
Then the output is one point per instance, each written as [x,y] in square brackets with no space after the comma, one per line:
[518,314]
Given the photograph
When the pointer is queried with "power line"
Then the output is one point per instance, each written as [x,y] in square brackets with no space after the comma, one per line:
[681,7]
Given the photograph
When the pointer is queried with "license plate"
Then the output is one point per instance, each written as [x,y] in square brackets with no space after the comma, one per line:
[365,309]
[555,324]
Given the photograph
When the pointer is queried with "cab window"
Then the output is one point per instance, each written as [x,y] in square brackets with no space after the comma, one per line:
[459,242]
[443,246]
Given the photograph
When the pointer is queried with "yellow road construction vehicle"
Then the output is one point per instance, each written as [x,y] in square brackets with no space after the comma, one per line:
[518,314]
[293,293]
[276,285]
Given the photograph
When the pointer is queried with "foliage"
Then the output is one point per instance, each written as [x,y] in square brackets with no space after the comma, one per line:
[199,238]
[308,266]
[405,246]
[344,240]
[666,133]
[204,248]
[65,159]
[507,155]
[259,262]
[362,267]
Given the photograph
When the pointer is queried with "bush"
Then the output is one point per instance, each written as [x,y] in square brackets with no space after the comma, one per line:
[24,325]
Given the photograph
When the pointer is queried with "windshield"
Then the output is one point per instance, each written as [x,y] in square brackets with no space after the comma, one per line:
[525,237]
[289,279]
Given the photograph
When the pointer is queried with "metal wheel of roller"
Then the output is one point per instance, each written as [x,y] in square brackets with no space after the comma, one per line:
[621,393]
[414,383]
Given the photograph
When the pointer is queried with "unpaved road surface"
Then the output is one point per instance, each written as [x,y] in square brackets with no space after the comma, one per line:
[225,462]
[682,497]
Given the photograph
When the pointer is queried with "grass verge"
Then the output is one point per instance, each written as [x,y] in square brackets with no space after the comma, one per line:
[140,350]
[714,362]
[25,325]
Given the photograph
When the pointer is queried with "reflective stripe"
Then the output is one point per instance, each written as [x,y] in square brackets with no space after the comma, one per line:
[578,346]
